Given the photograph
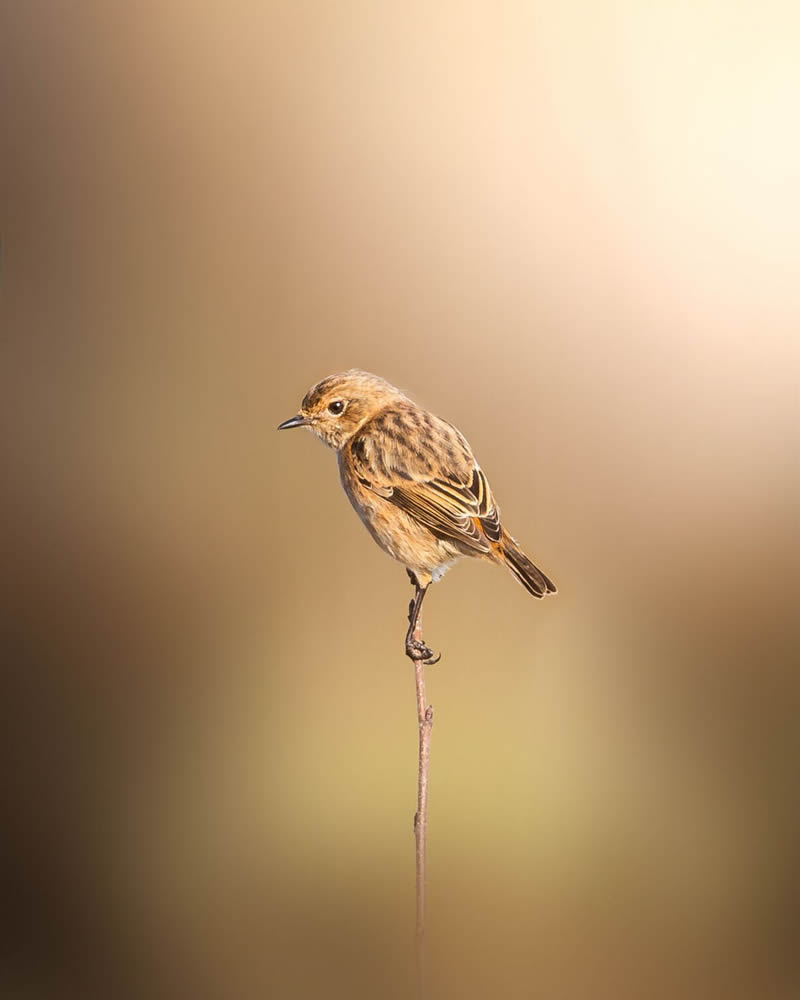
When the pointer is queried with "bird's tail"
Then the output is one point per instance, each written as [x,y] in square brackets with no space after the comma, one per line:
[530,576]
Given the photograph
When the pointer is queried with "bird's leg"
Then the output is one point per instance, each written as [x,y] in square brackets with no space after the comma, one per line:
[415,647]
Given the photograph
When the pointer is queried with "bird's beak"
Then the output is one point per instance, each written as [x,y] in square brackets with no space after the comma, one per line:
[298,421]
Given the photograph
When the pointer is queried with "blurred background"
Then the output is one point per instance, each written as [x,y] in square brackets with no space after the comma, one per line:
[572,229]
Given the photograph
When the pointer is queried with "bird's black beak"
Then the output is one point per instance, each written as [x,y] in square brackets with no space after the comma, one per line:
[298,421]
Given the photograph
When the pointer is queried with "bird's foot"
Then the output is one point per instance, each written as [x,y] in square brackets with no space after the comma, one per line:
[417,650]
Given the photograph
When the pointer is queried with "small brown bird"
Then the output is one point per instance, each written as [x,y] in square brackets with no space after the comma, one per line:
[414,482]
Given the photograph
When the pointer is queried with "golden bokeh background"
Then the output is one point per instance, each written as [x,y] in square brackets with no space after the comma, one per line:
[573,229]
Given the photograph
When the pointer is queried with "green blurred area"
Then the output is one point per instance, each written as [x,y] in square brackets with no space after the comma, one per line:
[570,229]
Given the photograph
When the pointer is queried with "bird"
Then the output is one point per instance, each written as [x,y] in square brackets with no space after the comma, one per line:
[415,483]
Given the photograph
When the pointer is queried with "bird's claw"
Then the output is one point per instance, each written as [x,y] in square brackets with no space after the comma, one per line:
[417,650]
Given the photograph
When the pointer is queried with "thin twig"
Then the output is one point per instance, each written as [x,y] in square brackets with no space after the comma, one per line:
[425,721]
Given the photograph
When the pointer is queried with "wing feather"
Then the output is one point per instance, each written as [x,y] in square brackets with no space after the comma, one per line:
[433,477]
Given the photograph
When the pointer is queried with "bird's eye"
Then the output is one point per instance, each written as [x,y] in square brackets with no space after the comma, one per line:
[336,407]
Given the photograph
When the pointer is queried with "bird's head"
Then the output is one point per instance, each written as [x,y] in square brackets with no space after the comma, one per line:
[335,408]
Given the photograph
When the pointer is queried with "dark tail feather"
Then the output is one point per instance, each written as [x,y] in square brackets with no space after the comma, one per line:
[530,576]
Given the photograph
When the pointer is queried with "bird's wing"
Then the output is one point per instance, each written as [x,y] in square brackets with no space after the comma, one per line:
[431,475]
[455,512]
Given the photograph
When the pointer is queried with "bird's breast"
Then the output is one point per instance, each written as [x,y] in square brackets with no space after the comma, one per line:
[395,531]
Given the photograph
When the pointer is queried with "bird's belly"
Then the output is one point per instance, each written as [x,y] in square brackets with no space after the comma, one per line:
[399,535]
[439,571]
[404,539]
